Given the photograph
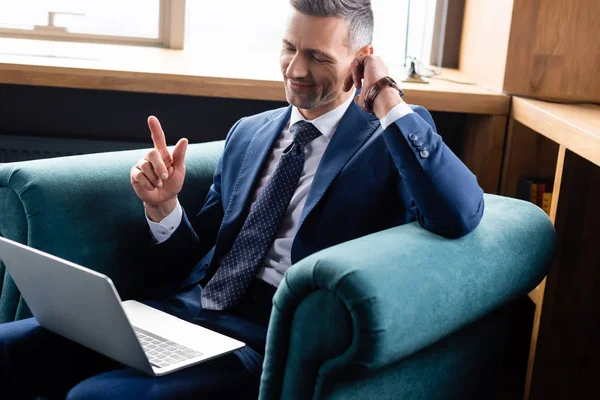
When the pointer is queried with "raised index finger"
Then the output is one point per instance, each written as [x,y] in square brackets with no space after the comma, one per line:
[158,137]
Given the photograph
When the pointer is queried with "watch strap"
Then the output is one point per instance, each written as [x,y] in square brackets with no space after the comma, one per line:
[376,88]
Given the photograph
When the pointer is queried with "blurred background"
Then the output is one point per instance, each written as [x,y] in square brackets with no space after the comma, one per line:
[513,87]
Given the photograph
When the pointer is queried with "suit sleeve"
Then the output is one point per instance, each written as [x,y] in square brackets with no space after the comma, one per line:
[176,257]
[445,197]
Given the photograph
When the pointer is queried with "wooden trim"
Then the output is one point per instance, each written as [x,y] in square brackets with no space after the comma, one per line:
[560,163]
[534,334]
[535,296]
[172,23]
[142,82]
[79,37]
[539,291]
[444,99]
[434,99]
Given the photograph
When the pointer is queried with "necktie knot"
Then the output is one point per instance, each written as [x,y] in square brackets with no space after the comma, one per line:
[304,132]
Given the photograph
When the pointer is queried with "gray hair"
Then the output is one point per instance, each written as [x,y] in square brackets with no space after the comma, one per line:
[357,13]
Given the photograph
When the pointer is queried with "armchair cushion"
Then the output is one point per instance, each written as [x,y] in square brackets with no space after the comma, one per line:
[376,300]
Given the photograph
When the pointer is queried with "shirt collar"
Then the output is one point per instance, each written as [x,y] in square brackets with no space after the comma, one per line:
[326,123]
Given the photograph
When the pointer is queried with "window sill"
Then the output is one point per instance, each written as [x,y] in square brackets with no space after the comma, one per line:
[229,75]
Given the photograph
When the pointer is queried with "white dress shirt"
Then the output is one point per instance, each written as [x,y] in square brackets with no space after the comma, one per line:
[278,259]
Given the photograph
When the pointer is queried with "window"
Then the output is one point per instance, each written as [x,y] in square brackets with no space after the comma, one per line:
[139,22]
[242,27]
[254,28]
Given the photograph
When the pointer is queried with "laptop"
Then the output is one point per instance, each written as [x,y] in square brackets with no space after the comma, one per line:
[83,305]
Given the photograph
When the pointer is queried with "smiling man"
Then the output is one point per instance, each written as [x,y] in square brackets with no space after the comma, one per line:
[335,165]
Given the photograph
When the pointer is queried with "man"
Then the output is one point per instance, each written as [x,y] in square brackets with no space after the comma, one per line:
[290,182]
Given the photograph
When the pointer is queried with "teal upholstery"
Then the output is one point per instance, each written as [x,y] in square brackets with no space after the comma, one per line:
[401,313]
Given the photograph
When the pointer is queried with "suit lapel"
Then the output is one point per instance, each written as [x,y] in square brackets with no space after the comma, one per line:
[355,128]
[254,158]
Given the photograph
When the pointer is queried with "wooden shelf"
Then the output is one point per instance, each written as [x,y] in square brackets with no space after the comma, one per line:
[539,134]
[229,75]
[576,126]
[562,141]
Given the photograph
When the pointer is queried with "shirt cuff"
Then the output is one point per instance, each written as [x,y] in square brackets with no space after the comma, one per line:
[165,228]
[395,114]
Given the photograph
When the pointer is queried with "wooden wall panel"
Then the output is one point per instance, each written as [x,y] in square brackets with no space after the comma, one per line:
[484,47]
[554,50]
[546,49]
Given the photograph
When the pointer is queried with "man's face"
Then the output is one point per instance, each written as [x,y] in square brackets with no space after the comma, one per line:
[315,60]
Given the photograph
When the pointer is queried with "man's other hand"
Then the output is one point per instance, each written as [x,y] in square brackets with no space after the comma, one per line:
[366,70]
[158,177]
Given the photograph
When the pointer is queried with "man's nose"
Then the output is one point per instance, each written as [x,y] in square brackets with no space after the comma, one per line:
[297,68]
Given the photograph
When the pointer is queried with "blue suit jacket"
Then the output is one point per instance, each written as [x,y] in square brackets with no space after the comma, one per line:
[369,179]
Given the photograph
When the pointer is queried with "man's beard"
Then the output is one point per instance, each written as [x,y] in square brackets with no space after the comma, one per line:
[307,101]
[303,102]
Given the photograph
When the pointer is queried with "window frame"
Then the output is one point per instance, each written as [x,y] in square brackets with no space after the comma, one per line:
[447,34]
[171,31]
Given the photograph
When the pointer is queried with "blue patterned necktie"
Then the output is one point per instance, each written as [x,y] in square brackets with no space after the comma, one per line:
[256,237]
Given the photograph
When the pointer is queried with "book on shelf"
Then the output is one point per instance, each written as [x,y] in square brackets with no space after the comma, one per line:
[536,190]
[547,200]
[541,189]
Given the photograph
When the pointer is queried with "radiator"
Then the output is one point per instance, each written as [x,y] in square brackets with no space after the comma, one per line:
[23,148]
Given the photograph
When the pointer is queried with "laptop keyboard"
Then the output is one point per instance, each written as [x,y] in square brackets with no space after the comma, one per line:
[162,352]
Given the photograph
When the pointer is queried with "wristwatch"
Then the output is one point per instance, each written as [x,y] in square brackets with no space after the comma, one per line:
[376,88]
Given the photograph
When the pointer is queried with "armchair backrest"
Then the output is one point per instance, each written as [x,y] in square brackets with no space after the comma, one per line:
[84,209]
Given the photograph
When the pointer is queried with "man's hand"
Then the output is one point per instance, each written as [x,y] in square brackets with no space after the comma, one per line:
[366,71]
[158,177]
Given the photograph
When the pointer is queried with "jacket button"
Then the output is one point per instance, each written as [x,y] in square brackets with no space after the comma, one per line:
[424,153]
[413,137]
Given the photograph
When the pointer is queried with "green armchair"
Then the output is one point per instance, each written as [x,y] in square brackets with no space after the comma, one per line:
[399,314]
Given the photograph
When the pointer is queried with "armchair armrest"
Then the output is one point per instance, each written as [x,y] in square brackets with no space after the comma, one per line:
[84,209]
[371,302]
